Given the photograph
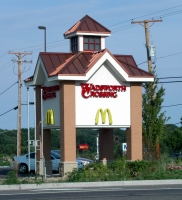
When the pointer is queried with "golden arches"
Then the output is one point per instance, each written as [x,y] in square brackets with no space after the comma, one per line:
[50,117]
[103,116]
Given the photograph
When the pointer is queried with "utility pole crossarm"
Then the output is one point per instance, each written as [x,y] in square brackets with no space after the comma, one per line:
[146,21]
[22,53]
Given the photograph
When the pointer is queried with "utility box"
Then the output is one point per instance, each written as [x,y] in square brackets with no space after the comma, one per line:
[151,50]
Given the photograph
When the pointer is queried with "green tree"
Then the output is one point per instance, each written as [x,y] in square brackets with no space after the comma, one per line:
[173,140]
[153,118]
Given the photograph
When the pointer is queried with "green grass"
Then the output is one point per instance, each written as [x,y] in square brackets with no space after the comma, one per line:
[118,170]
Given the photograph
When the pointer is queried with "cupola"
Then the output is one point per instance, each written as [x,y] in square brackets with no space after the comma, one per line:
[87,35]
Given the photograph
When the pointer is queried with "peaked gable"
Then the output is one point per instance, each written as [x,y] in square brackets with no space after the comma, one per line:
[87,25]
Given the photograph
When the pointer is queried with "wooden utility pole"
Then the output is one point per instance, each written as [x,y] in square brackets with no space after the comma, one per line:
[150,69]
[20,55]
[146,26]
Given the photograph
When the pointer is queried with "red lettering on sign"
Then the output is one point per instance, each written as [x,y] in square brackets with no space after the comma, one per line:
[101,91]
[49,92]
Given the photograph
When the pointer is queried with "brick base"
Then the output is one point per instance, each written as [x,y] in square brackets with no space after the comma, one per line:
[65,167]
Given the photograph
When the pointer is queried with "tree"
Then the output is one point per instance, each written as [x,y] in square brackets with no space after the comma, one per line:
[173,140]
[154,119]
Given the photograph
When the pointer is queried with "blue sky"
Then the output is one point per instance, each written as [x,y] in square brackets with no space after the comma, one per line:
[19,21]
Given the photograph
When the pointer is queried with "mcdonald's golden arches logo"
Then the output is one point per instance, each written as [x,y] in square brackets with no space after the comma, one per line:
[50,117]
[103,116]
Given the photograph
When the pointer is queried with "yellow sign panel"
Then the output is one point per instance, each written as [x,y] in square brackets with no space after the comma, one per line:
[103,116]
[50,117]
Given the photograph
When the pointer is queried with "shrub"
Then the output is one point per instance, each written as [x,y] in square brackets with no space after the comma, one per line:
[11,178]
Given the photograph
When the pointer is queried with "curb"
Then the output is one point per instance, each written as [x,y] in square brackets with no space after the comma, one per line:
[91,184]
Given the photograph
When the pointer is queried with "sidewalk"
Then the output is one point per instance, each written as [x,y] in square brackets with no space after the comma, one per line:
[92,184]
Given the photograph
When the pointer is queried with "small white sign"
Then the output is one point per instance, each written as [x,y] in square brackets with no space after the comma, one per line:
[124,146]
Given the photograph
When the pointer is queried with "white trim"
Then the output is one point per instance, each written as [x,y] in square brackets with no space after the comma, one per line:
[90,34]
[80,43]
[98,126]
[102,43]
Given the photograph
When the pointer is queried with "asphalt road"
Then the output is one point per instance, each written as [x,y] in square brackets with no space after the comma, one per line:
[106,193]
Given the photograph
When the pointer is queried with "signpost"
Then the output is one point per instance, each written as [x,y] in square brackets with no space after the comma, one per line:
[117,140]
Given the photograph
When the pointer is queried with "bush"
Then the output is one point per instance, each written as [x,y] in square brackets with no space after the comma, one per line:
[11,178]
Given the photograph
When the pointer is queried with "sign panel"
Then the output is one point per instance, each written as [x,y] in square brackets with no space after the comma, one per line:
[51,101]
[103,101]
[124,146]
[83,146]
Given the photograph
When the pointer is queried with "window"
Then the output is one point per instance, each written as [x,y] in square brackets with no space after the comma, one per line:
[74,44]
[91,43]
[32,155]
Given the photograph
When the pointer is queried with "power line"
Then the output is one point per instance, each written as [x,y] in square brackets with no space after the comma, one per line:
[53,46]
[162,16]
[171,82]
[170,77]
[172,105]
[1,69]
[39,45]
[5,64]
[9,110]
[8,88]
[163,57]
[124,27]
[146,15]
[169,14]
[3,55]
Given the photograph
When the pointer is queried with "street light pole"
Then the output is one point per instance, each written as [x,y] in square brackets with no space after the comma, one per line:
[43,28]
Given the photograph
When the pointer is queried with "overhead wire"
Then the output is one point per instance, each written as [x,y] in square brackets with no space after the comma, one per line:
[172,105]
[3,55]
[163,57]
[8,88]
[170,77]
[39,45]
[146,15]
[124,27]
[171,82]
[114,31]
[9,110]
[5,65]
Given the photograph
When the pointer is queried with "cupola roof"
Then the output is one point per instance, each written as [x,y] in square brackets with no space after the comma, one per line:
[87,26]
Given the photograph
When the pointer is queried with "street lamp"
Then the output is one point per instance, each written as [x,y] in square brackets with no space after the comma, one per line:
[43,28]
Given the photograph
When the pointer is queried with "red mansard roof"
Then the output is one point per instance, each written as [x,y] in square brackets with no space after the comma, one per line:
[87,25]
[71,64]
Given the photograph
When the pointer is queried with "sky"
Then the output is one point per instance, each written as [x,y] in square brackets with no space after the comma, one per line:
[19,21]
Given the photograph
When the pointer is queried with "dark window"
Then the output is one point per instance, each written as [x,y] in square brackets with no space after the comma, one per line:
[32,155]
[74,44]
[91,43]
